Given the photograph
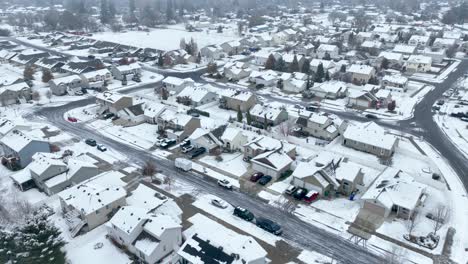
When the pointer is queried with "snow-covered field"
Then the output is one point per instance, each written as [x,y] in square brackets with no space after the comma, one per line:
[168,38]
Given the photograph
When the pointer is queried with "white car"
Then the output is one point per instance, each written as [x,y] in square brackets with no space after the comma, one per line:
[187,149]
[225,184]
[219,203]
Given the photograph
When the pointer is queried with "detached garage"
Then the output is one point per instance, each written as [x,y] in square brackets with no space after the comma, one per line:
[272,163]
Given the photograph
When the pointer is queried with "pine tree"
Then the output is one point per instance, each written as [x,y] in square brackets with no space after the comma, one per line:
[248,117]
[294,67]
[280,65]
[327,76]
[182,44]
[265,122]
[384,64]
[239,115]
[309,82]
[270,64]
[131,6]
[320,73]
[47,76]
[161,60]
[343,68]
[28,73]
[104,12]
[111,10]
[169,11]
[198,60]
[306,66]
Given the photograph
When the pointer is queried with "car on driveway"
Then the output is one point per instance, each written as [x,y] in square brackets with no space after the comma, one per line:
[269,226]
[219,203]
[72,119]
[168,143]
[185,142]
[101,147]
[371,116]
[290,190]
[197,152]
[243,213]
[256,176]
[265,180]
[225,184]
[91,142]
[311,196]
[300,193]
[187,149]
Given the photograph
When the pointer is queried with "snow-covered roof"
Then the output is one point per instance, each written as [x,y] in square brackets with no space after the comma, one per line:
[153,109]
[195,93]
[177,81]
[420,59]
[270,112]
[419,39]
[275,159]
[371,44]
[211,242]
[146,198]
[371,134]
[265,143]
[333,87]
[42,161]
[401,48]
[66,79]
[393,187]
[318,118]
[16,140]
[95,193]
[327,47]
[391,55]
[395,78]
[230,134]
[14,87]
[235,94]
[111,97]
[129,67]
[347,171]
[361,69]
[6,126]
[92,74]
[327,64]
[172,116]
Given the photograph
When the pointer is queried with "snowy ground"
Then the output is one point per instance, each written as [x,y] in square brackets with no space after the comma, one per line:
[169,38]
[455,128]
[232,163]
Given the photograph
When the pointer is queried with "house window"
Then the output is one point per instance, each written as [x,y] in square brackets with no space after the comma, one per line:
[97,212]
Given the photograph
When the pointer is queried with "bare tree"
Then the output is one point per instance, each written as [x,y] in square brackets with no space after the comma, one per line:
[441,216]
[411,224]
[36,96]
[286,205]
[286,128]
[49,94]
[149,169]
[168,181]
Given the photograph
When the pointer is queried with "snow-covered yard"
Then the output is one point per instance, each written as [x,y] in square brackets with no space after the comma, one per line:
[232,163]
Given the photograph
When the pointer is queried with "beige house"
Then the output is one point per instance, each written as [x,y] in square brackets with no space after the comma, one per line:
[235,99]
[177,125]
[361,73]
[112,102]
[321,126]
[418,63]
[370,137]
[15,93]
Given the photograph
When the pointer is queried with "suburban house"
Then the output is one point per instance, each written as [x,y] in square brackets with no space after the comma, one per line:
[326,64]
[66,85]
[52,174]
[330,89]
[152,110]
[212,52]
[361,73]
[264,144]
[444,43]
[204,138]
[206,242]
[151,237]
[233,139]
[273,163]
[196,96]
[15,93]
[372,138]
[328,174]
[289,58]
[420,41]
[392,57]
[126,71]
[404,49]
[418,63]
[236,99]
[325,49]
[231,47]
[93,202]
[320,126]
[112,102]
[80,67]
[19,148]
[295,82]
[361,99]
[51,64]
[29,56]
[96,79]
[176,85]
[177,125]
[384,96]
[261,57]
[437,55]
[267,114]
[395,81]
[393,192]
[264,78]
[237,71]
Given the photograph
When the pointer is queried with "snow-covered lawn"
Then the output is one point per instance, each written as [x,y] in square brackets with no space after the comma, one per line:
[453,127]
[232,163]
[213,174]
[167,39]
[204,203]
[111,156]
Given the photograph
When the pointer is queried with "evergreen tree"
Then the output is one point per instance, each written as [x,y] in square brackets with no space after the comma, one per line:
[28,72]
[169,10]
[182,44]
[270,64]
[384,64]
[320,73]
[265,122]
[239,115]
[161,60]
[131,6]
[306,66]
[111,10]
[294,67]
[280,65]
[327,76]
[309,82]
[248,117]
[198,60]
[104,12]
[47,76]
[343,68]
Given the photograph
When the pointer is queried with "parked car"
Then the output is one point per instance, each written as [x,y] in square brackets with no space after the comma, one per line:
[168,143]
[465,119]
[197,152]
[185,142]
[187,149]
[312,108]
[290,190]
[78,93]
[219,203]
[300,193]
[440,102]
[72,119]
[311,196]
[298,106]
[269,226]
[183,164]
[101,147]
[108,115]
[371,116]
[256,176]
[436,108]
[91,142]
[225,184]
[265,180]
[243,213]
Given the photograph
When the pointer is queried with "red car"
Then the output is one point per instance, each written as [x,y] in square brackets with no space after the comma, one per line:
[256,176]
[72,119]
[311,196]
